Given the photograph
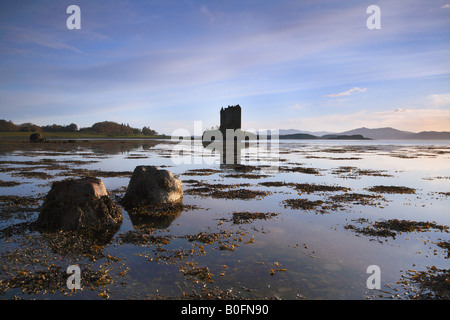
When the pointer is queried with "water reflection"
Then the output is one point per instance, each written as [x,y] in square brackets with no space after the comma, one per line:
[159,216]
[229,154]
[233,153]
[109,147]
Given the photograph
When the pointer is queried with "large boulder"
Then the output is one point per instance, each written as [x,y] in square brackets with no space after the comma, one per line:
[79,204]
[150,185]
[37,137]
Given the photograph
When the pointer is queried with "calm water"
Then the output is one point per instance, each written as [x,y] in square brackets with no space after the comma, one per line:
[293,254]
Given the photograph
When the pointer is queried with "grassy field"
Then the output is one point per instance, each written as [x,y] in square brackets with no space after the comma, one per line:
[75,135]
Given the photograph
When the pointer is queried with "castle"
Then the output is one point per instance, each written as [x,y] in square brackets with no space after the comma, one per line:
[230,118]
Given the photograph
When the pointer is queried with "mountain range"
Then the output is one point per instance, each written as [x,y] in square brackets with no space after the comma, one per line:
[376,134]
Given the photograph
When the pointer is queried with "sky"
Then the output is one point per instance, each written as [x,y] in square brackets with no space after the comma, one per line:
[306,65]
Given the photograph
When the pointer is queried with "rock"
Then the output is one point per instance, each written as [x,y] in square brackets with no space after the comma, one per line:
[150,185]
[37,137]
[79,204]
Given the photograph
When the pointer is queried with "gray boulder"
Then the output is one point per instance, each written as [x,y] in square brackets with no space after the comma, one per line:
[79,204]
[150,185]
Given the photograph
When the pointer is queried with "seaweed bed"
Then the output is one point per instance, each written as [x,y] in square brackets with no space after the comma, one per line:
[391,189]
[246,217]
[334,202]
[239,194]
[430,284]
[393,227]
[217,190]
[305,187]
[348,172]
[5,184]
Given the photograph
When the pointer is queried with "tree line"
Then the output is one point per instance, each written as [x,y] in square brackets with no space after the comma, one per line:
[105,127]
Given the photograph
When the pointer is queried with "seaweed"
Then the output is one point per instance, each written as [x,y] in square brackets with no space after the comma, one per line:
[391,189]
[392,227]
[311,188]
[247,217]
[303,204]
[431,284]
[300,169]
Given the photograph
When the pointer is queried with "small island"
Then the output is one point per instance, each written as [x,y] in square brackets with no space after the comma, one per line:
[306,136]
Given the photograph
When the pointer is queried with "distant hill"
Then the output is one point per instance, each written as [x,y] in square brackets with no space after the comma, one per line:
[387,133]
[394,134]
[380,133]
[294,131]
[297,136]
[306,136]
[431,135]
[344,137]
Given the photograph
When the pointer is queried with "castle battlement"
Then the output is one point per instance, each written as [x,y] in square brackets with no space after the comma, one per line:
[230,117]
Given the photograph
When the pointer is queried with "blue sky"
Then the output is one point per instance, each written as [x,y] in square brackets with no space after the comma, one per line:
[308,65]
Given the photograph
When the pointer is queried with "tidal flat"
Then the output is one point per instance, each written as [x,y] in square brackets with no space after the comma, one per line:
[305,222]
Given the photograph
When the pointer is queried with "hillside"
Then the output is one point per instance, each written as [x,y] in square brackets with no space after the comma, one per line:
[386,133]
[431,135]
[298,136]
[380,133]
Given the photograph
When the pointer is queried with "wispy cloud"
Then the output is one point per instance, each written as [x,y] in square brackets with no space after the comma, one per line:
[347,93]
[26,36]
[204,10]
[415,120]
[439,100]
[446,6]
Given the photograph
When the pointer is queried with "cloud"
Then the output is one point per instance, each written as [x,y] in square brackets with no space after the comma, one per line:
[439,100]
[446,6]
[25,36]
[204,10]
[346,93]
[414,120]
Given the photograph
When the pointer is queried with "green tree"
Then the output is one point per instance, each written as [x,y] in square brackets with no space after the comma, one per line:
[29,127]
[148,132]
[72,127]
[8,126]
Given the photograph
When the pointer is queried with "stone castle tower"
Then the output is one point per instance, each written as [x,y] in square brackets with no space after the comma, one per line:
[230,117]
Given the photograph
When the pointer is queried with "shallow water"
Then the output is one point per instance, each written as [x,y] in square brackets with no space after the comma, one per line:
[293,254]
